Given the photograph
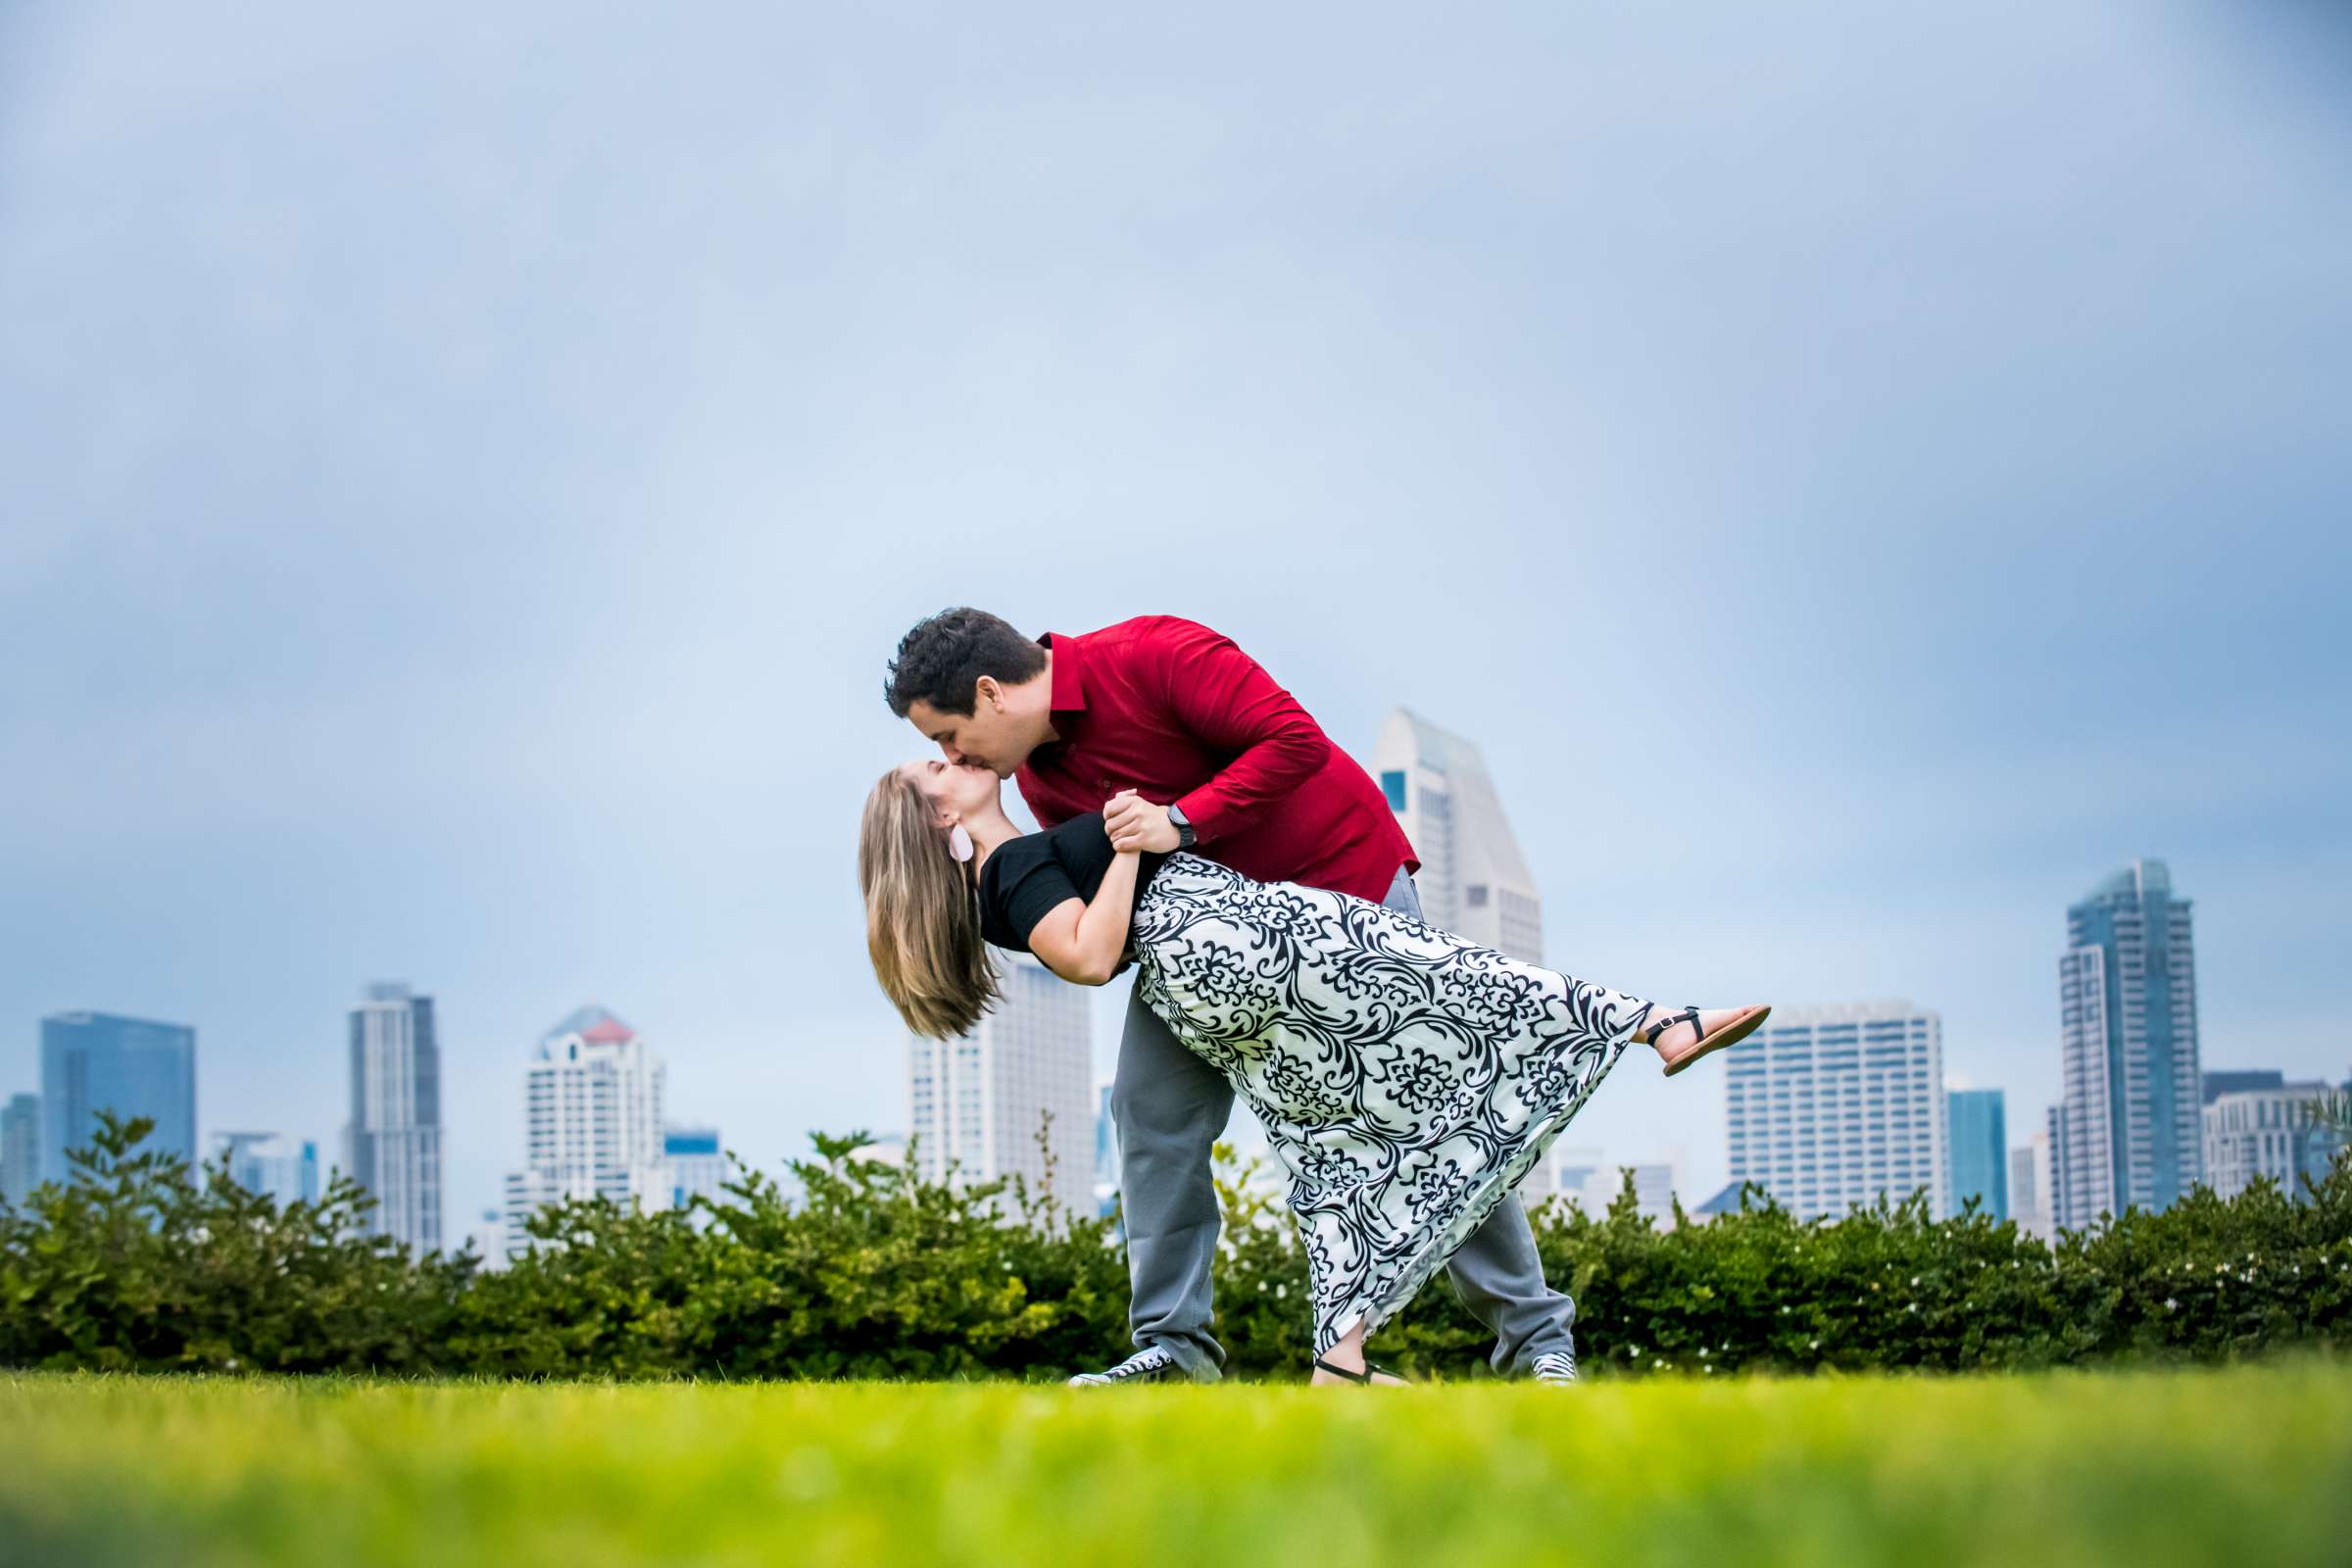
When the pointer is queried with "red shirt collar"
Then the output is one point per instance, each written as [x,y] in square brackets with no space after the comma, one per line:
[1069,681]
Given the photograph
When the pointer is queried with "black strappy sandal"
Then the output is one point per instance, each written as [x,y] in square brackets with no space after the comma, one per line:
[1737,1027]
[1655,1025]
[1365,1376]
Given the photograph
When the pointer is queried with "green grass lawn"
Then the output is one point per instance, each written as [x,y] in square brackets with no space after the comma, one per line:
[2246,1466]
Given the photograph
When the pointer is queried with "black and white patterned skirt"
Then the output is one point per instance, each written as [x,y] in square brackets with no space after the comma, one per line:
[1408,1079]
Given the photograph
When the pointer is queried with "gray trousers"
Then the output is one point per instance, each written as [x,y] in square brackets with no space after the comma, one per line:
[1167,1106]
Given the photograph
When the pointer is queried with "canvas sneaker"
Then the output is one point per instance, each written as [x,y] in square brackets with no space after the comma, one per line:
[1152,1364]
[1556,1366]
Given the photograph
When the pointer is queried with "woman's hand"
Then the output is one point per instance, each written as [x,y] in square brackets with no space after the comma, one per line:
[1136,824]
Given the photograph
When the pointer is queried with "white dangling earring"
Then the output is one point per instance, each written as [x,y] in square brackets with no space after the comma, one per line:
[959,843]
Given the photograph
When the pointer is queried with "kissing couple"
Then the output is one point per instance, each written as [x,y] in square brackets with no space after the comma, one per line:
[1201,827]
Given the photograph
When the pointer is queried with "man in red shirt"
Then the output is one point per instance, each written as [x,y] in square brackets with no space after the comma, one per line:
[1224,762]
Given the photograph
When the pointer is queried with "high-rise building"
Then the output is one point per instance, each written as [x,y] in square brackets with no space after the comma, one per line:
[2237,1080]
[1830,1107]
[20,1148]
[272,1164]
[392,1143]
[698,1167]
[978,1101]
[2029,1185]
[1473,880]
[1977,1134]
[592,1122]
[2280,1132]
[93,1062]
[2127,1132]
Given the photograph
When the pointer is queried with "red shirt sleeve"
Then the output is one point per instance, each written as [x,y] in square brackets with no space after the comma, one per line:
[1225,697]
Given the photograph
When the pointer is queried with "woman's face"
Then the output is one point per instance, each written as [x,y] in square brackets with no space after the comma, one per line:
[954,790]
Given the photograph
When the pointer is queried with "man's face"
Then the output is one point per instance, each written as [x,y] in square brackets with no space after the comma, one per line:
[982,738]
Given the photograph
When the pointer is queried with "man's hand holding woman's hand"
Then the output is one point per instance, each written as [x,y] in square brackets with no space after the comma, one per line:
[1136,824]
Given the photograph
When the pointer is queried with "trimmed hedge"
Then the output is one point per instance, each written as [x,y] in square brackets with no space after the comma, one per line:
[873,1272]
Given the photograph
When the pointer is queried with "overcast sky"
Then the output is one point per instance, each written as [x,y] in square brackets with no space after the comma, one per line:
[1862,473]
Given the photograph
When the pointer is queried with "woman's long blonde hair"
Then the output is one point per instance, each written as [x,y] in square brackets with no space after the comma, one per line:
[922,914]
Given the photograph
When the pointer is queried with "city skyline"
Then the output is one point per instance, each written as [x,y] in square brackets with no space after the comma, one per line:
[709,1164]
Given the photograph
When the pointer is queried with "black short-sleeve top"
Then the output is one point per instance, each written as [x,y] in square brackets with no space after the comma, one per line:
[1025,879]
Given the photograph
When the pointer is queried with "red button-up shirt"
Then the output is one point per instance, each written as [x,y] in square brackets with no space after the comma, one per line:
[1176,713]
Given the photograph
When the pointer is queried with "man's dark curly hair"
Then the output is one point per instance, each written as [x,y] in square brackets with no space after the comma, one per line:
[944,656]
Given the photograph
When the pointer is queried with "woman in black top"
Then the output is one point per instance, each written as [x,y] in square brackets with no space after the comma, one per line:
[1407,1079]
[1026,878]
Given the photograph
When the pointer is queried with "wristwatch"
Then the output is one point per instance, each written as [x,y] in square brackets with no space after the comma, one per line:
[1184,836]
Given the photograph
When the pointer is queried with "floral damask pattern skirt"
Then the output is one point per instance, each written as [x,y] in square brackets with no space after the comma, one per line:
[1408,1079]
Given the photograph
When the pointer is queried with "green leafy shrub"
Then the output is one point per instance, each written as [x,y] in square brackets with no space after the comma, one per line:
[131,1266]
[875,1272]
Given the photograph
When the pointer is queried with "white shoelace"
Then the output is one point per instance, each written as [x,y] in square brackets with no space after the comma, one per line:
[1153,1359]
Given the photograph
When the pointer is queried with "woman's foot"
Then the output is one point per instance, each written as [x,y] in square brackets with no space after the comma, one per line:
[1345,1363]
[1680,1037]
[1669,1029]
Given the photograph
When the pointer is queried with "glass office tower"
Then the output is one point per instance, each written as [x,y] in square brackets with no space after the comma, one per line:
[93,1062]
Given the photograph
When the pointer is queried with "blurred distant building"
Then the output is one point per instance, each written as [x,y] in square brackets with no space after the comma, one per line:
[1590,1180]
[487,1240]
[2129,1132]
[1473,880]
[20,1148]
[1977,1134]
[93,1062]
[1572,1173]
[272,1164]
[1833,1106]
[1653,1183]
[392,1143]
[592,1122]
[1726,1200]
[2282,1132]
[2237,1080]
[697,1164]
[977,1102]
[2029,1185]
